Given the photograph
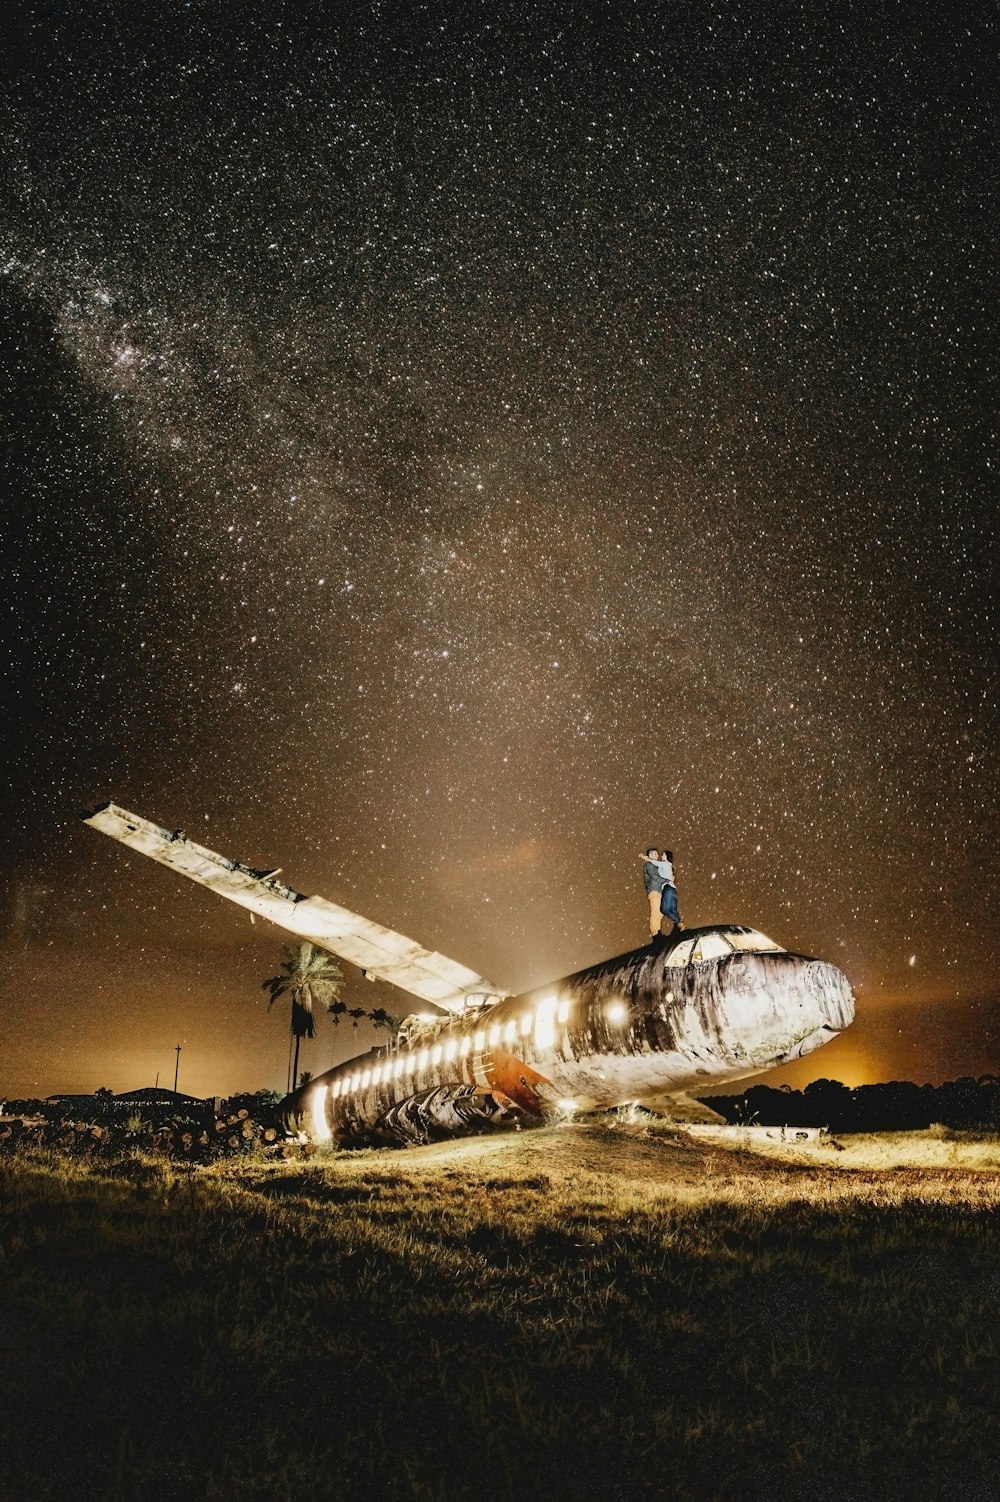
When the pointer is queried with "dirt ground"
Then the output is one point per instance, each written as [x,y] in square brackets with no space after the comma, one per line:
[648,1161]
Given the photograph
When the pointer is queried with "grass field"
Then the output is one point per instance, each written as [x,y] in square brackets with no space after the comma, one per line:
[595,1312]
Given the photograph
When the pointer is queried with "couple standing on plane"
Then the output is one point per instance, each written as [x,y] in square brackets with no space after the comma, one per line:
[659,878]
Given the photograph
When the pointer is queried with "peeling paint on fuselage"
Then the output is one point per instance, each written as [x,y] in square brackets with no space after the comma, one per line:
[636,1027]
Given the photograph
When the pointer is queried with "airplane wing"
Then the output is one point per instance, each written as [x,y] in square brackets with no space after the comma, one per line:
[380,952]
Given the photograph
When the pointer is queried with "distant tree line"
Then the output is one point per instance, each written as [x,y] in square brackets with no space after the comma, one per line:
[899,1106]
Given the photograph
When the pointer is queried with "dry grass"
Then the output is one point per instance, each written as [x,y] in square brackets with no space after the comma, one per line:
[602,1314]
[939,1148]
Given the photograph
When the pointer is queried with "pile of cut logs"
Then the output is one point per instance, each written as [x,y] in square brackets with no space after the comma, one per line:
[197,1142]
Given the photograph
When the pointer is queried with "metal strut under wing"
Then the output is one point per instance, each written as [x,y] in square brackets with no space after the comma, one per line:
[380,952]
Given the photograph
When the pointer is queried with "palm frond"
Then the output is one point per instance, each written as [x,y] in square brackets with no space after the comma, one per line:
[275,987]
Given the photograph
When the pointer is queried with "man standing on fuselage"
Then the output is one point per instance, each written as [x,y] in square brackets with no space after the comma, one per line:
[653,877]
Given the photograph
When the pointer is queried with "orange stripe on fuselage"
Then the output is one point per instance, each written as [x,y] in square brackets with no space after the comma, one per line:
[508,1075]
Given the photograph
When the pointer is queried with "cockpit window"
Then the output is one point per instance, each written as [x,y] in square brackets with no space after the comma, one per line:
[718,942]
[750,939]
[680,954]
[710,946]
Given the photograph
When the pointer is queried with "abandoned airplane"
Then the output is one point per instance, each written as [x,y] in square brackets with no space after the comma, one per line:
[712,1005]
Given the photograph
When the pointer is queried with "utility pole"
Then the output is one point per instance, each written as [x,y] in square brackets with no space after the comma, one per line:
[177,1066]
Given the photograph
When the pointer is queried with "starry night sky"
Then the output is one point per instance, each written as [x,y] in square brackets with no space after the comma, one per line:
[448,448]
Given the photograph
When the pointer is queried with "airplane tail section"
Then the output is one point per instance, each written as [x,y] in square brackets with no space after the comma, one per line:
[380,952]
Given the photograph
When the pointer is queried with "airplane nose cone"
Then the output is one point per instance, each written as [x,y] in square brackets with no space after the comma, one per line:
[832,990]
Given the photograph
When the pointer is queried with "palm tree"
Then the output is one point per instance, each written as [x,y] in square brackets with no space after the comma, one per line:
[309,978]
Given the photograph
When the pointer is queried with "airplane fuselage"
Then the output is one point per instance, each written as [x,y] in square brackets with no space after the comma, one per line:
[715,1006]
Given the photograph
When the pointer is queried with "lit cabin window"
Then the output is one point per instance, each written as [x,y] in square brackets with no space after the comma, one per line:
[680,954]
[465,1046]
[321,1130]
[493,1034]
[436,1053]
[335,1089]
[366,1078]
[450,1050]
[563,1011]
[527,1022]
[616,1013]
[399,1066]
[510,1031]
[377,1074]
[410,1063]
[479,1041]
[422,1058]
[545,1022]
